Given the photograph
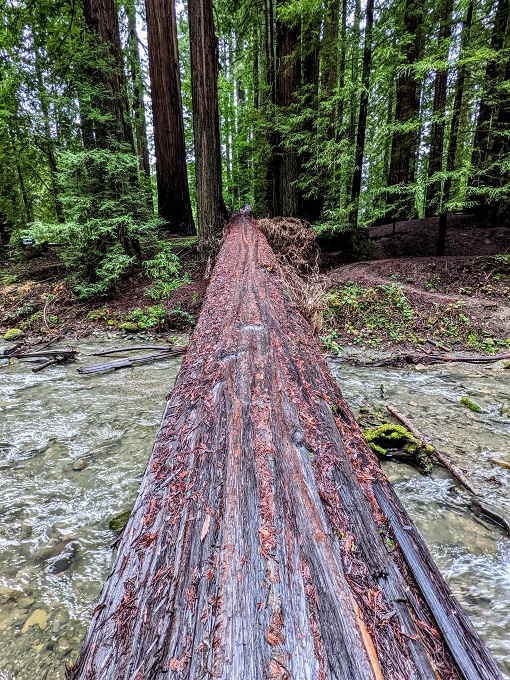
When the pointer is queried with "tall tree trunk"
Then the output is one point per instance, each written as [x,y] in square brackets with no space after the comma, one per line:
[174,205]
[362,116]
[108,78]
[353,103]
[48,147]
[211,211]
[311,197]
[140,124]
[433,199]
[454,131]
[404,145]
[285,160]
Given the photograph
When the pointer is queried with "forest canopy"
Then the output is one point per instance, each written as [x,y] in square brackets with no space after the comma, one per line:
[119,123]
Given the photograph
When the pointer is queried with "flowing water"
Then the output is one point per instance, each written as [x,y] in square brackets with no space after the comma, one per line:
[73,450]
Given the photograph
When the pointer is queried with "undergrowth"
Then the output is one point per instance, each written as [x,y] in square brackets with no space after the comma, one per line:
[369,316]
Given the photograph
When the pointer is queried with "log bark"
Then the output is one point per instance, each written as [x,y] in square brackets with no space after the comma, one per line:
[256,548]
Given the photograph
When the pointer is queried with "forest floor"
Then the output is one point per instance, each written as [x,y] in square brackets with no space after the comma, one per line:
[403,299]
[406,296]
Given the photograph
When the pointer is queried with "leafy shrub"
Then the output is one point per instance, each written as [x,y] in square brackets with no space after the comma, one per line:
[164,269]
[104,218]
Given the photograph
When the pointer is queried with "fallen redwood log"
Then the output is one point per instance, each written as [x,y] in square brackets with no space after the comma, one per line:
[264,542]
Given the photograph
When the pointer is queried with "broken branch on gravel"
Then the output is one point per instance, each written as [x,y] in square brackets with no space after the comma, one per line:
[48,353]
[440,456]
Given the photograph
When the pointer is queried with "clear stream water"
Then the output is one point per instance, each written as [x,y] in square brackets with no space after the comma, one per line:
[73,450]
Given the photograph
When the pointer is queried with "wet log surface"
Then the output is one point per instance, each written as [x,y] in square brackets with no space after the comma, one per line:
[258,546]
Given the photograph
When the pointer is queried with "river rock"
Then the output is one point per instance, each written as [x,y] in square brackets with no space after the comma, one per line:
[26,602]
[37,618]
[62,562]
[9,594]
[13,334]
[129,326]
[80,464]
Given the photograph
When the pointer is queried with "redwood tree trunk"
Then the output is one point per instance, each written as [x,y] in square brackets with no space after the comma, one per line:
[362,115]
[211,211]
[174,204]
[454,133]
[257,547]
[135,68]
[404,146]
[285,166]
[108,78]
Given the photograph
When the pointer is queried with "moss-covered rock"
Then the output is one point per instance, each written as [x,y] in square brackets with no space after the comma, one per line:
[396,436]
[14,334]
[119,522]
[129,326]
[466,401]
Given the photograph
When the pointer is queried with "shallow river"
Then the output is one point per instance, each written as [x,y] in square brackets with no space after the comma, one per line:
[73,450]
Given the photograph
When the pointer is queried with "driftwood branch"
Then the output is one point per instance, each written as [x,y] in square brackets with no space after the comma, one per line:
[444,460]
[128,362]
[133,348]
[259,547]
[69,353]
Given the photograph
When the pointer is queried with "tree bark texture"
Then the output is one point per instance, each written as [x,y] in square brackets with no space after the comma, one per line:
[434,194]
[108,78]
[174,204]
[257,547]
[211,212]
[404,144]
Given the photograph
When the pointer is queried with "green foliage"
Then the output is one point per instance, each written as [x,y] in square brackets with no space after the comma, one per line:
[164,269]
[104,218]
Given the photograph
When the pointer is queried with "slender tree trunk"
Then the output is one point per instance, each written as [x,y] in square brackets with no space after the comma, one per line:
[285,160]
[140,125]
[29,217]
[362,116]
[211,211]
[174,205]
[353,103]
[49,147]
[311,197]
[454,131]
[433,200]
[404,145]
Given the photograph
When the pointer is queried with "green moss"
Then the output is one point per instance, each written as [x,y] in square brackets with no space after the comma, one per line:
[13,334]
[396,436]
[466,401]
[129,326]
